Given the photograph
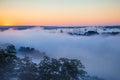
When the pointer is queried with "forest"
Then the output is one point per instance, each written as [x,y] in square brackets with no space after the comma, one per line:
[14,68]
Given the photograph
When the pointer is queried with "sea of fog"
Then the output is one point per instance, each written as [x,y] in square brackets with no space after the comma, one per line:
[99,54]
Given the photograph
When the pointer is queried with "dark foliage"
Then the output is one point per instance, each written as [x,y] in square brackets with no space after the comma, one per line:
[26,49]
[7,65]
[11,49]
[89,33]
[61,69]
[111,33]
[12,67]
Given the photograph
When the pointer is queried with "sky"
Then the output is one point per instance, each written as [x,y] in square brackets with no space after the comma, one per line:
[59,12]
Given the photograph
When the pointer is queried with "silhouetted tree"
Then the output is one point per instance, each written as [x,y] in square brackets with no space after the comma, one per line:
[27,69]
[26,49]
[71,69]
[11,49]
[90,33]
[7,65]
[61,69]
[48,69]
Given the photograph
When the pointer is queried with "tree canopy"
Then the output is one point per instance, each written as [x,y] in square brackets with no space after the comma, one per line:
[13,67]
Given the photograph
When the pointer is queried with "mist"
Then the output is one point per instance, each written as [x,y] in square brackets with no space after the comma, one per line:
[100,54]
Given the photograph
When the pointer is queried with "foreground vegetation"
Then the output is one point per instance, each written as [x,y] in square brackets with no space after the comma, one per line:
[15,68]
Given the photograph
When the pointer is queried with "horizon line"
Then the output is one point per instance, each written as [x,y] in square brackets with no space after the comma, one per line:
[58,25]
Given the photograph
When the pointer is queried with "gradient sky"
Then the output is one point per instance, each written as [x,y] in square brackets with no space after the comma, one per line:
[60,12]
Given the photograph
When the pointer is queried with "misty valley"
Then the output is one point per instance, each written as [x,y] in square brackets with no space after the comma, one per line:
[59,53]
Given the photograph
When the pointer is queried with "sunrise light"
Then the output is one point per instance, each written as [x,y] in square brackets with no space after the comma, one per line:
[7,23]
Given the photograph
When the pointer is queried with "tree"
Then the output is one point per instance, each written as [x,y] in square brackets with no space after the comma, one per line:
[26,49]
[48,69]
[11,49]
[61,69]
[7,65]
[71,69]
[90,33]
[27,69]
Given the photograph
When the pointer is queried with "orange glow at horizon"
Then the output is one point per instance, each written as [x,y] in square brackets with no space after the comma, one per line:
[59,12]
